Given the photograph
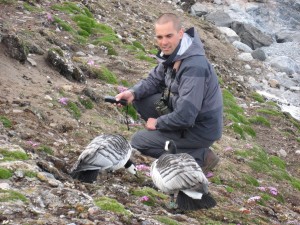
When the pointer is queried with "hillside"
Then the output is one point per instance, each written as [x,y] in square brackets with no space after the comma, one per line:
[58,60]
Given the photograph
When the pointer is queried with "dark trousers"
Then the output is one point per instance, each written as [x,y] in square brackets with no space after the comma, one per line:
[152,143]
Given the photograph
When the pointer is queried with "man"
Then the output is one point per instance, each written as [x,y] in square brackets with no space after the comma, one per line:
[191,92]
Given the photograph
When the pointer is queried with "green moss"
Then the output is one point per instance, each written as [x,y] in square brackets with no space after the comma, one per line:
[296,183]
[86,102]
[250,180]
[8,2]
[5,121]
[260,120]
[152,194]
[138,45]
[64,25]
[153,51]
[296,123]
[144,57]
[280,175]
[242,153]
[278,162]
[5,173]
[108,46]
[30,174]
[258,97]
[31,8]
[13,155]
[229,189]
[46,149]
[72,8]
[216,180]
[9,195]
[106,75]
[113,205]
[271,112]
[166,220]
[72,106]
[235,114]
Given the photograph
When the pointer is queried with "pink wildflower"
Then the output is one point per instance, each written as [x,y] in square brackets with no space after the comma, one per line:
[33,144]
[253,199]
[91,62]
[273,190]
[228,149]
[144,198]
[209,175]
[63,101]
[142,167]
[249,146]
[50,18]
[261,188]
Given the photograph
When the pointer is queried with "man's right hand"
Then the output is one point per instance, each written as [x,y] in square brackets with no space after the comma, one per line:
[127,95]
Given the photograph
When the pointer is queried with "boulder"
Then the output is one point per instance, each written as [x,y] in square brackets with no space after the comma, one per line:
[251,35]
[219,18]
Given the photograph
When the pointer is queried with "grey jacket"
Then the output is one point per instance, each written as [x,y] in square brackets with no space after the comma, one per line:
[196,97]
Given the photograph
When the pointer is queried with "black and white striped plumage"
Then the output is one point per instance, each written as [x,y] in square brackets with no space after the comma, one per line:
[107,152]
[180,173]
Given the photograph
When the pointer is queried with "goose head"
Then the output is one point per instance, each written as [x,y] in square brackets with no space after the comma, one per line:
[130,167]
[170,147]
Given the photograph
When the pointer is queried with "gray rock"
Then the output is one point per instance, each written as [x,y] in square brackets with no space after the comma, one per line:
[16,47]
[242,47]
[219,18]
[199,9]
[64,66]
[259,54]
[287,36]
[251,35]
[285,64]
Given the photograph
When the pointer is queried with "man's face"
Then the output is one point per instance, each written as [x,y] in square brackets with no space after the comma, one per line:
[167,37]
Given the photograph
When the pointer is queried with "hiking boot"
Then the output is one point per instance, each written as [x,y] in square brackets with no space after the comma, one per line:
[210,161]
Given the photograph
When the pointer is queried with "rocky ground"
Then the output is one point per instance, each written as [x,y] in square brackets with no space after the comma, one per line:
[256,182]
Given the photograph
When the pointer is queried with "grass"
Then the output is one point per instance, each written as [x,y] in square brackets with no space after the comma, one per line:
[31,8]
[105,74]
[241,125]
[13,155]
[271,112]
[138,45]
[5,173]
[166,220]
[9,195]
[257,97]
[46,149]
[5,121]
[260,120]
[86,102]
[72,106]
[113,205]
[8,2]
[86,28]
[152,194]
[250,180]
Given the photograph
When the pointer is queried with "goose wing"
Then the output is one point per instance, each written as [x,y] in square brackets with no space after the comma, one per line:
[171,173]
[105,152]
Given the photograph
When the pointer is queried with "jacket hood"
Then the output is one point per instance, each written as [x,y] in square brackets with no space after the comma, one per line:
[189,45]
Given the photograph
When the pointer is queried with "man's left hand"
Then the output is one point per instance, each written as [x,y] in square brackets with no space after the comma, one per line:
[151,124]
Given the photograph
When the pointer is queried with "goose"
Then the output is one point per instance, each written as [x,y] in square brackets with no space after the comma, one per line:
[107,152]
[180,174]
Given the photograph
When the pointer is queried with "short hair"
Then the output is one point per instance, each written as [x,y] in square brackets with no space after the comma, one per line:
[170,17]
